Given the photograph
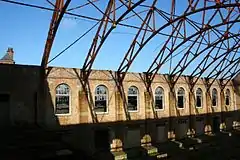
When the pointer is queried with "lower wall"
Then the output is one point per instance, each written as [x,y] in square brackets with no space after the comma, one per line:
[117,136]
[26,101]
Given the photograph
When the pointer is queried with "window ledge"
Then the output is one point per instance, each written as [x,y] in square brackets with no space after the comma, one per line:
[133,111]
[100,113]
[199,107]
[158,110]
[61,115]
[180,108]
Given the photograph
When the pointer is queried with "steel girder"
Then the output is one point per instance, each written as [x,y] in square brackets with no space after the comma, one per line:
[184,62]
[195,76]
[137,46]
[174,20]
[177,73]
[57,16]
[103,32]
[180,68]
[234,64]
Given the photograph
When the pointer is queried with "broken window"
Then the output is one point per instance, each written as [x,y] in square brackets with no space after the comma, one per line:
[180,97]
[132,98]
[159,98]
[214,97]
[101,98]
[199,98]
[227,97]
[62,99]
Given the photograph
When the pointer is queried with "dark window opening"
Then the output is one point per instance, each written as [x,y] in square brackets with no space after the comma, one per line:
[180,98]
[227,99]
[62,104]
[62,99]
[159,101]
[180,102]
[132,103]
[214,97]
[132,98]
[214,102]
[101,99]
[199,97]
[199,102]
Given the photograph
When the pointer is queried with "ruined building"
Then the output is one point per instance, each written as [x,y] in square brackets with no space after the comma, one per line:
[101,118]
[8,57]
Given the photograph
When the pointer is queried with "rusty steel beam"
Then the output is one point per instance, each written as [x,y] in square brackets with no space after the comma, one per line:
[214,77]
[129,56]
[186,64]
[101,35]
[176,77]
[83,5]
[93,18]
[150,75]
[229,78]
[197,75]
[60,9]
[133,53]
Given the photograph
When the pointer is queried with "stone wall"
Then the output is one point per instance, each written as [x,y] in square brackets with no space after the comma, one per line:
[32,101]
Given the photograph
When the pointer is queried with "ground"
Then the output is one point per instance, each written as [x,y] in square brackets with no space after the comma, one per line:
[25,143]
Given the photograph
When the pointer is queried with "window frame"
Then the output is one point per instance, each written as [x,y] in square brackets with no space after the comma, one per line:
[70,101]
[184,97]
[228,93]
[196,95]
[107,100]
[163,99]
[137,110]
[214,89]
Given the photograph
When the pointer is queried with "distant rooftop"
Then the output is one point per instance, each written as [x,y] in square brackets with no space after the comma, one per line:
[8,57]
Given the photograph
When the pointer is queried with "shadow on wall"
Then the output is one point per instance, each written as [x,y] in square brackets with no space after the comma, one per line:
[24,99]
[30,104]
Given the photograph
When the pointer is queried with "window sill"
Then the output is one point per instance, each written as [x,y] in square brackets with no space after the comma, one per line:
[159,110]
[133,111]
[62,115]
[180,108]
[100,113]
[199,107]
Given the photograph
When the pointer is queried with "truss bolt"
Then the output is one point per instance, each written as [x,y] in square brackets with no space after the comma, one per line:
[114,25]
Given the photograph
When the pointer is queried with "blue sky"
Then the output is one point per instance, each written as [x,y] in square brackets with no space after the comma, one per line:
[25,29]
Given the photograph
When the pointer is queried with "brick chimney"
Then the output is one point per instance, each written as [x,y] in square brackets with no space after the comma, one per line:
[8,57]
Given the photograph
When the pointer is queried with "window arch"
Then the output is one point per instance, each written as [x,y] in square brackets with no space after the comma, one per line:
[199,98]
[214,97]
[227,97]
[159,98]
[180,97]
[62,101]
[132,98]
[101,96]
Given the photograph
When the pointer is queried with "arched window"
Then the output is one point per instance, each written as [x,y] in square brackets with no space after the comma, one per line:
[132,98]
[199,98]
[214,97]
[227,97]
[180,97]
[62,99]
[101,97]
[159,98]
